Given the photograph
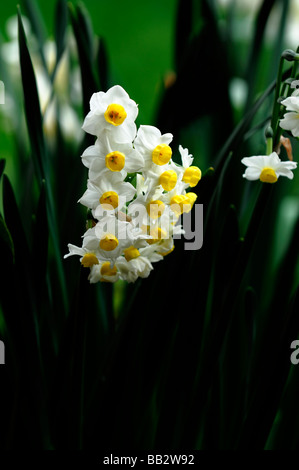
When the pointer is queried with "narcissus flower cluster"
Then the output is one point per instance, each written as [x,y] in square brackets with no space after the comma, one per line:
[135,192]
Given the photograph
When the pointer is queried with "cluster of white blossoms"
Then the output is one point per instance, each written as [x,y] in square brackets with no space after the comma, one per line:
[135,192]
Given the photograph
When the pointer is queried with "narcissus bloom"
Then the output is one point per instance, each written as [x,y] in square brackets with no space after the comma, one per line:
[135,192]
[153,146]
[113,111]
[111,193]
[108,155]
[267,168]
[191,174]
[290,121]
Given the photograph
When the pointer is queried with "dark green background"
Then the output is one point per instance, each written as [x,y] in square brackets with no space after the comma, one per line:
[139,37]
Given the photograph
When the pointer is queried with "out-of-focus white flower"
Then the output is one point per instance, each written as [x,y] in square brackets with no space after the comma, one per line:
[290,121]
[113,111]
[267,168]
[55,107]
[238,90]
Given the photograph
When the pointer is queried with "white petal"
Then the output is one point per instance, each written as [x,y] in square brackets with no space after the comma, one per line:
[272,160]
[89,154]
[89,199]
[116,93]
[98,102]
[255,161]
[285,172]
[291,103]
[186,158]
[94,123]
[125,133]
[290,122]
[74,250]
[127,190]
[97,166]
[134,162]
[285,169]
[252,174]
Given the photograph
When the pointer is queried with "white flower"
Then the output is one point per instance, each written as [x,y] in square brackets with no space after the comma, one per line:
[147,206]
[114,112]
[190,175]
[124,234]
[153,146]
[267,168]
[130,270]
[103,272]
[105,241]
[108,155]
[290,121]
[100,270]
[165,176]
[137,263]
[187,159]
[109,193]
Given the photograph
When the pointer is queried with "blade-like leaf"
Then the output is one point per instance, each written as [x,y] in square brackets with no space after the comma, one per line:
[61,15]
[39,151]
[81,28]
[2,166]
[183,30]
[38,27]
[102,61]
[31,102]
[253,61]
[6,240]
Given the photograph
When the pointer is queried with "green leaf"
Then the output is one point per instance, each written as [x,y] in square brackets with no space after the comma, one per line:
[2,166]
[102,61]
[40,238]
[253,61]
[84,23]
[270,377]
[189,98]
[39,151]
[31,102]
[82,31]
[13,222]
[183,30]
[237,136]
[38,27]
[61,21]
[6,240]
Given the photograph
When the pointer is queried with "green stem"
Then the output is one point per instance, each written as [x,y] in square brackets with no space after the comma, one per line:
[269,146]
[276,104]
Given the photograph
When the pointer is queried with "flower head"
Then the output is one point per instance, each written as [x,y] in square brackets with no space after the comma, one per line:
[110,193]
[110,156]
[113,111]
[153,146]
[267,168]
